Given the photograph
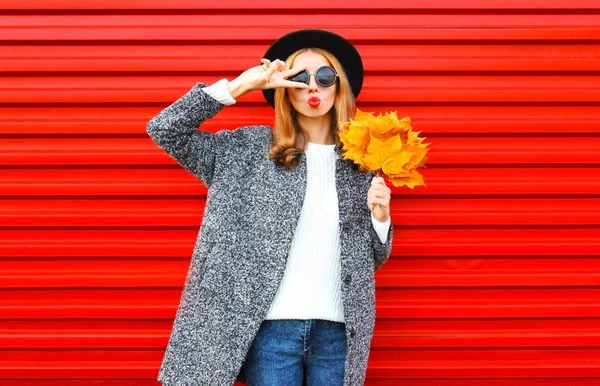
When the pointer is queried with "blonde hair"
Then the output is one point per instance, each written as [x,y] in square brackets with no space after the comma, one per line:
[289,138]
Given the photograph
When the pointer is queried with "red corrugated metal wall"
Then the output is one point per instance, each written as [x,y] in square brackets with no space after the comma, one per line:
[495,273]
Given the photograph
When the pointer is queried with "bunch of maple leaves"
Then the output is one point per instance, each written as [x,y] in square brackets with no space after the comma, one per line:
[387,144]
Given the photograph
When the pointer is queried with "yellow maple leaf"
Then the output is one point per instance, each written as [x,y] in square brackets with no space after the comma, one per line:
[355,137]
[385,143]
[409,178]
[418,156]
[386,155]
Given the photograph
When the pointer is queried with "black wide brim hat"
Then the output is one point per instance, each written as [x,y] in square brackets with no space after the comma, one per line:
[341,48]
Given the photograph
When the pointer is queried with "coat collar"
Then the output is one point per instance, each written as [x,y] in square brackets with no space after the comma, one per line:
[338,150]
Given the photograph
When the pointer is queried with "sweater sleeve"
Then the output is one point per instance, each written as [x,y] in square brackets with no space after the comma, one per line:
[382,250]
[381,227]
[219,91]
[175,130]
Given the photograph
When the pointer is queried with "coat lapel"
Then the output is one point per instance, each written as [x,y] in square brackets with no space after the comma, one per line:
[348,185]
[289,188]
[352,188]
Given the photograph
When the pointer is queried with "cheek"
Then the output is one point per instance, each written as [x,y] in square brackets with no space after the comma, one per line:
[292,97]
[331,93]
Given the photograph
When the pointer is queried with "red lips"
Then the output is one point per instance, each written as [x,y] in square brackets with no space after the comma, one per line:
[314,101]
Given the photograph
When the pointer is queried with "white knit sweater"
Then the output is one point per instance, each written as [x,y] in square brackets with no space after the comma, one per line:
[311,284]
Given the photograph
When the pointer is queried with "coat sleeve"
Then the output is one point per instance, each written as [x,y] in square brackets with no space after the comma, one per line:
[381,251]
[175,130]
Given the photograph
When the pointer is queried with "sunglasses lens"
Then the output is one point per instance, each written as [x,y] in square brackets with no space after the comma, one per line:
[301,77]
[326,76]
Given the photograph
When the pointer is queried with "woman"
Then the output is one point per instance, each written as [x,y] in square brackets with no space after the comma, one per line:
[280,288]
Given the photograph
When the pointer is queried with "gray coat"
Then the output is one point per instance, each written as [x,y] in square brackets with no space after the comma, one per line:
[251,212]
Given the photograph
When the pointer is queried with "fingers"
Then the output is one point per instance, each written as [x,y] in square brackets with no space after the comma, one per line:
[290,72]
[379,194]
[378,185]
[278,65]
[290,84]
[381,203]
[380,189]
[274,66]
[293,71]
[377,180]
[265,63]
[383,200]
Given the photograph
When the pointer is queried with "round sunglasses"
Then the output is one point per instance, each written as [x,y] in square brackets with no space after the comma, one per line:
[325,76]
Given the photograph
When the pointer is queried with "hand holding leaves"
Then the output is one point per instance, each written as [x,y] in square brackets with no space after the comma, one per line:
[378,199]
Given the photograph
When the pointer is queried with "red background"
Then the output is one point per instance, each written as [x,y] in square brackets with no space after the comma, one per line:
[494,277]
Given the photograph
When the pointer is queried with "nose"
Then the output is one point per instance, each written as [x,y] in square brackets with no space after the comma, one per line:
[312,82]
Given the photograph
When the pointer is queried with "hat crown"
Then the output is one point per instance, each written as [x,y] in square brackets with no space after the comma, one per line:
[338,46]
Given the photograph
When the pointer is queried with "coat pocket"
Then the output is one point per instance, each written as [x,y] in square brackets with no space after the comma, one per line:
[227,280]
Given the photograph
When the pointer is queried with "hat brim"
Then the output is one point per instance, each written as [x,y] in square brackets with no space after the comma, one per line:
[341,48]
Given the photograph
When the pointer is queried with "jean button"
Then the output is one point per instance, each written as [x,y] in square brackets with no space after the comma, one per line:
[347,279]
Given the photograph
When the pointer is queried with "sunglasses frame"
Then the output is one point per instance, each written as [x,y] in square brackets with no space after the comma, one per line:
[315,74]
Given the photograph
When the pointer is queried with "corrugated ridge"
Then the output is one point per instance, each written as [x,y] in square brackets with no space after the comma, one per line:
[431,6]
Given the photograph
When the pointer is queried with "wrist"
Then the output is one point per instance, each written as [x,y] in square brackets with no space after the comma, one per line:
[380,217]
[236,89]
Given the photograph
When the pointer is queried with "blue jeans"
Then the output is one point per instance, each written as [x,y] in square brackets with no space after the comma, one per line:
[297,352]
